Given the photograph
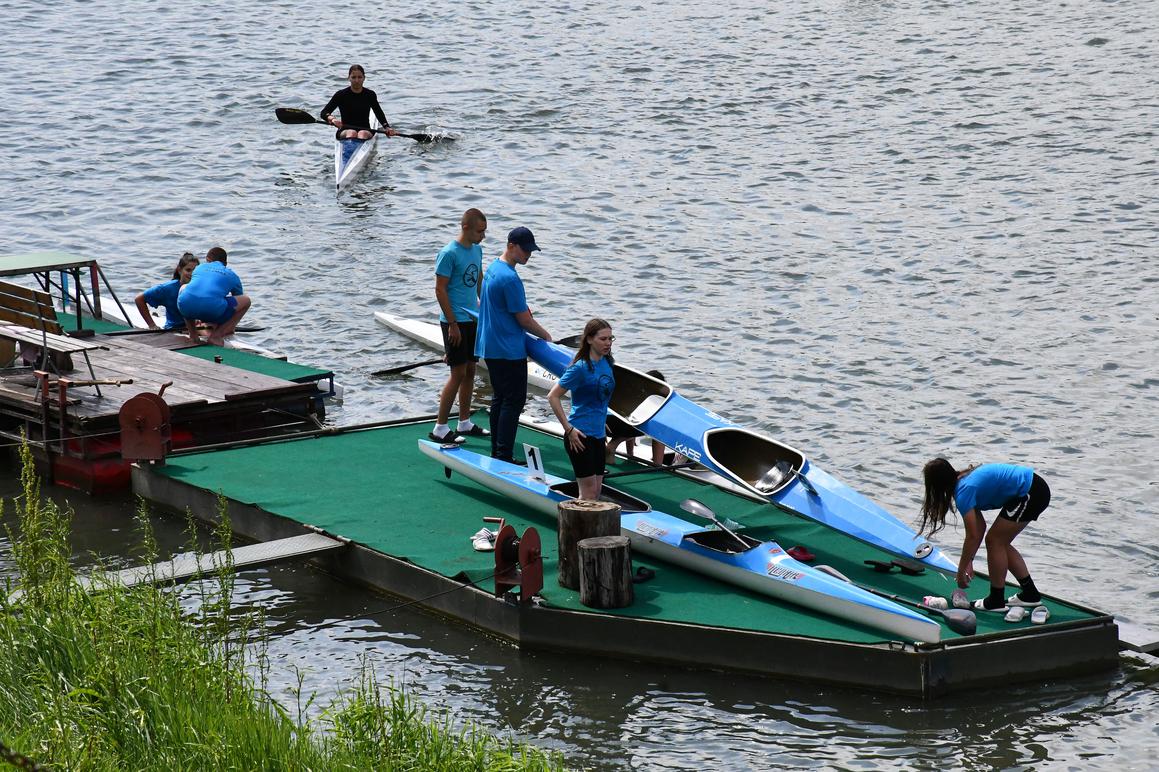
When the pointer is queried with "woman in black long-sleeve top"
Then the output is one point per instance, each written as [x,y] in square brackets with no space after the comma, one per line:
[354,104]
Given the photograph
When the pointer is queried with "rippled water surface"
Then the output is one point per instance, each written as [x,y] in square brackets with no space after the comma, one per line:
[877,230]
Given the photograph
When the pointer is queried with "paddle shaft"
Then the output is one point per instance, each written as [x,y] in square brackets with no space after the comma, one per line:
[647,469]
[178,330]
[292,115]
[959,620]
[404,368]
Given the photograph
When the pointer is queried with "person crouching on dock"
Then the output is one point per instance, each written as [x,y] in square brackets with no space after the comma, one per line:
[214,296]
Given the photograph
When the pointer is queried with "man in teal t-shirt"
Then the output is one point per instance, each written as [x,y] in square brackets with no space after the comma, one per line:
[457,274]
[503,318]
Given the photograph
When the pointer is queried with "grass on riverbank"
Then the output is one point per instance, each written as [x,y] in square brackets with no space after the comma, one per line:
[127,679]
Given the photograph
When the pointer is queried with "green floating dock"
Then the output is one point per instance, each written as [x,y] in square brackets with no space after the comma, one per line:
[410,529]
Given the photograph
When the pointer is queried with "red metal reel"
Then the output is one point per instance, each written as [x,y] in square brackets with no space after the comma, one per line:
[145,430]
[518,563]
[506,560]
[531,561]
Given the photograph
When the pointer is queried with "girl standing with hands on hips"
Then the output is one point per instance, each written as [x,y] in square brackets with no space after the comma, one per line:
[1017,492]
[590,381]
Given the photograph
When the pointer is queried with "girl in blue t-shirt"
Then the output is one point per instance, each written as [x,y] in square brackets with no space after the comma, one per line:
[1017,492]
[590,381]
[165,295]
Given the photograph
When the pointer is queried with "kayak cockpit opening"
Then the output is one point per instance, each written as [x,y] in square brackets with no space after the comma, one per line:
[625,501]
[637,396]
[720,541]
[763,464]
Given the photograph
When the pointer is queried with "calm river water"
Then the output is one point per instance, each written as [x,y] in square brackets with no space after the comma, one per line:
[877,230]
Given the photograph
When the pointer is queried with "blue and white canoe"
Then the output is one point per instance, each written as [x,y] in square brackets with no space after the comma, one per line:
[763,567]
[769,469]
[351,155]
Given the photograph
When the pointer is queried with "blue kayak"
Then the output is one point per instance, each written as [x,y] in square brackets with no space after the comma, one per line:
[761,567]
[768,469]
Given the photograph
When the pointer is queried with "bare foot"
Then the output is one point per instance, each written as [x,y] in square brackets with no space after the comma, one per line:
[215,341]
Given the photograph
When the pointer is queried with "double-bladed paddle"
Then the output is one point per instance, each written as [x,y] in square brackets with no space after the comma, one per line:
[961,621]
[404,368]
[293,116]
[178,330]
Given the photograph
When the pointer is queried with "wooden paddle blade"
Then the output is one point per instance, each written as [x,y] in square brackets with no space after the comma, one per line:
[293,115]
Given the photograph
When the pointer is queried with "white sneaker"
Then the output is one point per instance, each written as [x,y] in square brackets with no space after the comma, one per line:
[484,540]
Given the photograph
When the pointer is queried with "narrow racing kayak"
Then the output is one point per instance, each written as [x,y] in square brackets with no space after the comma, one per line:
[767,468]
[351,155]
[431,335]
[761,567]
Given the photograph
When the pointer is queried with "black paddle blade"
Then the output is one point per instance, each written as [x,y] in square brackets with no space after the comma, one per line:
[293,115]
[959,620]
[420,138]
[404,368]
[571,341]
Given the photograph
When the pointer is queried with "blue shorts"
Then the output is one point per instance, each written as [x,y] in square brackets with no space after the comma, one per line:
[207,312]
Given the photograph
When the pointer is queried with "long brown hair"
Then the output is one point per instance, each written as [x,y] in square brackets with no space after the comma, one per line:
[585,350]
[185,260]
[941,480]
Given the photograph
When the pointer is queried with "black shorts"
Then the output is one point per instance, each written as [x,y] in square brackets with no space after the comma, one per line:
[1030,506]
[619,430]
[589,462]
[465,351]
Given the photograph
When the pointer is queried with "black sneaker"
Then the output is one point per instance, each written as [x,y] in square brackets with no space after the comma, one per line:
[450,438]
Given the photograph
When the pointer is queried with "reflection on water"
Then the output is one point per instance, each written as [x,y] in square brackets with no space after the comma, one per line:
[877,230]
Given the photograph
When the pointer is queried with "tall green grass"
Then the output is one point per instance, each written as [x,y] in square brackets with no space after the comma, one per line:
[125,679]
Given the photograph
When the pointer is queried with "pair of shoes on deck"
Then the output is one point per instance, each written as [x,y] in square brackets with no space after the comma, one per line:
[454,437]
[484,540]
[1038,616]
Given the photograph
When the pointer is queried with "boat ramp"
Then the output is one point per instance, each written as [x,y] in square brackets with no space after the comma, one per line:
[407,531]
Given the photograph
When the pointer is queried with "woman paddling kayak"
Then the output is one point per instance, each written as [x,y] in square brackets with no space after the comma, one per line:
[1017,492]
[590,381]
[354,104]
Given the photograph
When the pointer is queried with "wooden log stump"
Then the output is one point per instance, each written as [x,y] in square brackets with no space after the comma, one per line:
[606,572]
[578,520]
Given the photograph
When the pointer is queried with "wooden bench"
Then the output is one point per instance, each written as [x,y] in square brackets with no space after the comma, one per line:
[46,343]
[29,308]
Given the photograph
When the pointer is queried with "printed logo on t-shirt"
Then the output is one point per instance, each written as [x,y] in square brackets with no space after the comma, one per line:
[606,386]
[471,275]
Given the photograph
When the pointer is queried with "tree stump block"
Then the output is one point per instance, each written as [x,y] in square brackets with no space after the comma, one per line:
[578,520]
[606,572]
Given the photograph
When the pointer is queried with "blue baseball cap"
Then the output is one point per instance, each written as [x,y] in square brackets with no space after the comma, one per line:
[523,237]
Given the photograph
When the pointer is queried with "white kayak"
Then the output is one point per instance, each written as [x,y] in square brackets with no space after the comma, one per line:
[431,335]
[351,156]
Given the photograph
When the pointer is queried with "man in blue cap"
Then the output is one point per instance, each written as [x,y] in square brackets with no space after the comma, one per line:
[503,318]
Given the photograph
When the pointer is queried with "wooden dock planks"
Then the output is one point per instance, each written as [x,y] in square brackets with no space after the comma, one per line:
[195,382]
